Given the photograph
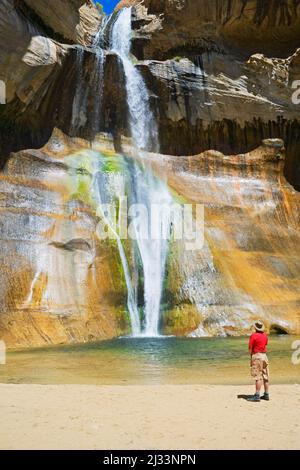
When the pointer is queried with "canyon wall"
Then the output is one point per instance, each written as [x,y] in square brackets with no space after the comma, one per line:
[249,265]
[187,27]
[223,74]
[59,283]
[220,75]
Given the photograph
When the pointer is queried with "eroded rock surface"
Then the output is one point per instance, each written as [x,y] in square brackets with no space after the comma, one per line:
[43,76]
[249,265]
[74,20]
[218,78]
[168,28]
[59,283]
[221,76]
[224,74]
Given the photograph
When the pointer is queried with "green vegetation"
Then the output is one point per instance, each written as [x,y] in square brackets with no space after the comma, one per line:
[123,321]
[100,7]
[181,320]
[111,164]
[177,58]
[81,174]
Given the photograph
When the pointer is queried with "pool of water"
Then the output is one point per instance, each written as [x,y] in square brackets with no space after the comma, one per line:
[148,361]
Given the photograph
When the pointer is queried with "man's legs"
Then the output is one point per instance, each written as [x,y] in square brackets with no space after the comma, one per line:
[266,395]
[266,377]
[266,386]
[258,385]
[256,372]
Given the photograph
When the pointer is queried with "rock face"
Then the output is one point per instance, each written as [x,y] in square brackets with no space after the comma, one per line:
[221,75]
[230,108]
[207,92]
[249,266]
[187,28]
[59,283]
[127,4]
[31,65]
[224,74]
[74,20]
[34,67]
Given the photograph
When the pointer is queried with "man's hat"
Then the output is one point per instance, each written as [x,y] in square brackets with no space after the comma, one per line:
[259,326]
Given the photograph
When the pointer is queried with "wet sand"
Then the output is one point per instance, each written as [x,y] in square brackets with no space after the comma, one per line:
[147,417]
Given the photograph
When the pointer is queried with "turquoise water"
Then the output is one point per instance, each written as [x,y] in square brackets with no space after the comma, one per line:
[148,361]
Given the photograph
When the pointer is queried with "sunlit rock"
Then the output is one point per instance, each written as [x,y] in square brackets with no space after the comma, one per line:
[211,85]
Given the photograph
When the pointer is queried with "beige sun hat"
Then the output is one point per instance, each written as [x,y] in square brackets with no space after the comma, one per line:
[259,326]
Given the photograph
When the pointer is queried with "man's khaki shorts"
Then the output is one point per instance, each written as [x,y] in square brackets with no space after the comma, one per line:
[260,367]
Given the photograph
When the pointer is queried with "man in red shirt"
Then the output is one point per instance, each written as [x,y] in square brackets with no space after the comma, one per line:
[259,361]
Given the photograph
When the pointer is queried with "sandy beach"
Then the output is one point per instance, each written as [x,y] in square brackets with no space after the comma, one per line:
[147,417]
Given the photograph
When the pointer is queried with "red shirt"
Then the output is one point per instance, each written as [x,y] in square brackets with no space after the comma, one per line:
[258,343]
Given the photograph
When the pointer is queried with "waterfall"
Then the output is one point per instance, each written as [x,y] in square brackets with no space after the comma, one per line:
[80,97]
[131,298]
[141,120]
[99,44]
[100,38]
[144,189]
[103,195]
[83,93]
[32,286]
[98,85]
[150,192]
[147,190]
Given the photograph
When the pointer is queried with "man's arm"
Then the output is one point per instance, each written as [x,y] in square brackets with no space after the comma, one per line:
[250,345]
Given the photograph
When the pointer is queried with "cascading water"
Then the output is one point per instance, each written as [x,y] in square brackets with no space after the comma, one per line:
[83,93]
[144,190]
[102,189]
[142,122]
[99,48]
[101,37]
[80,97]
[99,79]
[79,120]
[147,191]
[151,197]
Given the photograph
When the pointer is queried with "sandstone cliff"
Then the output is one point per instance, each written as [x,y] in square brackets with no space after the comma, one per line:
[220,75]
[74,20]
[223,73]
[59,284]
[209,90]
[185,27]
[249,266]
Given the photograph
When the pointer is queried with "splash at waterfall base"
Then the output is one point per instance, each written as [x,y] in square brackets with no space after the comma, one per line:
[74,287]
